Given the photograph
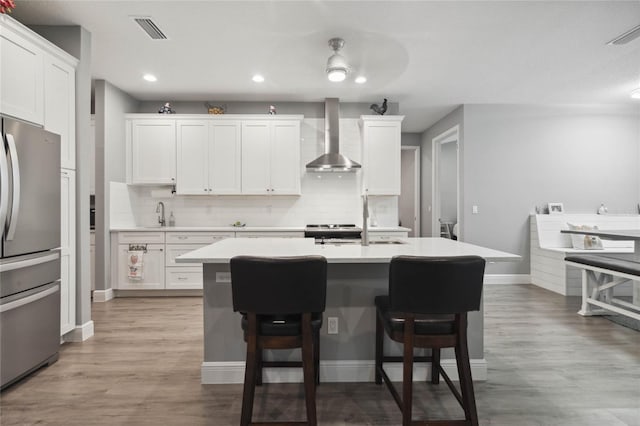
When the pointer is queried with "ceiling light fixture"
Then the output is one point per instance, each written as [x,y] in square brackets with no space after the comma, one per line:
[337,67]
[150,77]
[257,78]
[361,79]
[635,94]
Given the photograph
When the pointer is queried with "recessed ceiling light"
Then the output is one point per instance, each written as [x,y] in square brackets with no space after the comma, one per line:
[361,79]
[150,77]
[257,78]
[635,94]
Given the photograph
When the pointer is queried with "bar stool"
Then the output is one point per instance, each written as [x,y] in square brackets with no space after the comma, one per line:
[427,307]
[281,300]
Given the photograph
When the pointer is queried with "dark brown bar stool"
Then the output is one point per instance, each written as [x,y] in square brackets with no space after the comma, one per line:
[281,300]
[427,307]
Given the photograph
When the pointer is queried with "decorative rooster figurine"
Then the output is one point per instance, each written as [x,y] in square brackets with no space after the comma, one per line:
[379,109]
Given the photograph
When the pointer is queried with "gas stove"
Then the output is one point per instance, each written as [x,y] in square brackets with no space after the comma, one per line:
[333,233]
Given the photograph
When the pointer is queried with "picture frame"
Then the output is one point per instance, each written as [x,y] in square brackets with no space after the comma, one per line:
[556,208]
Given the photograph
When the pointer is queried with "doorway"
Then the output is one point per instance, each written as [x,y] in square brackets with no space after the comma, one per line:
[409,200]
[446,185]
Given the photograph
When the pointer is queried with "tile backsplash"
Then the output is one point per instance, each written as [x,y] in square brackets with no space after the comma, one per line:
[325,198]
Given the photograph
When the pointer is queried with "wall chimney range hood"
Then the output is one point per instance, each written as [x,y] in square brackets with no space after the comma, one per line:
[332,160]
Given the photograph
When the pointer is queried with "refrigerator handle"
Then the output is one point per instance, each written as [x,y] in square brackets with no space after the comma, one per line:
[4,187]
[15,170]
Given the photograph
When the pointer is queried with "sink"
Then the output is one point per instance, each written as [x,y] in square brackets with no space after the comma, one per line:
[387,242]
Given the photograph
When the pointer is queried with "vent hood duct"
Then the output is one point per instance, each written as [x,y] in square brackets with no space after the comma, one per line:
[332,160]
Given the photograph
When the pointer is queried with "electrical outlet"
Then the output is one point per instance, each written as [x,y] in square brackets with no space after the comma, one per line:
[474,209]
[332,325]
[223,277]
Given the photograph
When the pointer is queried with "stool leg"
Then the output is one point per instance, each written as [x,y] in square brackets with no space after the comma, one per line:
[464,371]
[307,368]
[259,367]
[316,356]
[379,349]
[407,372]
[249,373]
[435,366]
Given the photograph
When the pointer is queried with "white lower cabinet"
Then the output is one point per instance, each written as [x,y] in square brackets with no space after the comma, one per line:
[270,234]
[152,269]
[92,258]
[187,276]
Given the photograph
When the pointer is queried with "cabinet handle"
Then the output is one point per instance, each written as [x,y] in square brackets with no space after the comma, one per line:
[182,237]
[182,278]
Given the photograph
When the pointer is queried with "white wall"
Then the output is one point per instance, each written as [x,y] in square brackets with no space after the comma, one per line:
[326,197]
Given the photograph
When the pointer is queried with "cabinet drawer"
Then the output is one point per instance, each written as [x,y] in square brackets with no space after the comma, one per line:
[197,237]
[184,278]
[271,234]
[175,250]
[141,238]
[384,236]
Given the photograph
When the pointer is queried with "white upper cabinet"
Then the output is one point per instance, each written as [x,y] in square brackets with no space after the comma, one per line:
[192,157]
[381,154]
[21,73]
[271,157]
[209,157]
[59,107]
[225,155]
[153,151]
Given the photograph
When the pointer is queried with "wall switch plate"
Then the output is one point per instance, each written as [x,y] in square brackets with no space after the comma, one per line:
[332,325]
[474,209]
[223,277]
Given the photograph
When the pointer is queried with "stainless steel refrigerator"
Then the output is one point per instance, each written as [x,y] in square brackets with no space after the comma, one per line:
[29,252]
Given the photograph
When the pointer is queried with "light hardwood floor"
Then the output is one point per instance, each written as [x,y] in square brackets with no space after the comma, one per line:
[547,366]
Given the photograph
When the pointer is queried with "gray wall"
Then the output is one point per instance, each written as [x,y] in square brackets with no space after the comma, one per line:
[111,105]
[517,157]
[77,42]
[456,117]
[411,139]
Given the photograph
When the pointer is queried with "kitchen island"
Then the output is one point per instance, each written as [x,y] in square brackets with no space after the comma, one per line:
[356,274]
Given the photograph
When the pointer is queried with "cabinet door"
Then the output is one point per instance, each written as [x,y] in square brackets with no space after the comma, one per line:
[59,107]
[256,154]
[67,251]
[21,77]
[153,151]
[193,148]
[225,156]
[152,269]
[92,258]
[92,156]
[381,149]
[285,157]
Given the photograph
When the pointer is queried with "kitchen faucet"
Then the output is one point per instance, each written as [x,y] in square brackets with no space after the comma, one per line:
[365,218]
[161,211]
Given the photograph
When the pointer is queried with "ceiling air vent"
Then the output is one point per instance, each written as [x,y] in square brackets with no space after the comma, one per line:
[150,28]
[625,38]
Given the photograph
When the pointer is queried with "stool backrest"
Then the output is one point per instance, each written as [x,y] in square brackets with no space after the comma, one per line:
[279,285]
[435,285]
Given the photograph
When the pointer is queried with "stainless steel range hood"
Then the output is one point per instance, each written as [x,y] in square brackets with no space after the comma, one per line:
[332,160]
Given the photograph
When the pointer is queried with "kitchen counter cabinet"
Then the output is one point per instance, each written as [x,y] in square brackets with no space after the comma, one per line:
[355,275]
[153,277]
[187,276]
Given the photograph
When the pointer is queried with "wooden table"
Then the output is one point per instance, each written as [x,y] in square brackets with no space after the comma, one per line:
[356,274]
[602,293]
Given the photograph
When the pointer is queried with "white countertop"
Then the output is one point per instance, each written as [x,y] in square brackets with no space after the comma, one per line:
[212,228]
[222,251]
[242,229]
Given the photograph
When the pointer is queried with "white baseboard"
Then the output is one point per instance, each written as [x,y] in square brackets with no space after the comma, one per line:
[507,279]
[80,333]
[103,295]
[332,371]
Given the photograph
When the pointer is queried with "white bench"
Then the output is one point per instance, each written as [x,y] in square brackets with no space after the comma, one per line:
[600,274]
[549,248]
